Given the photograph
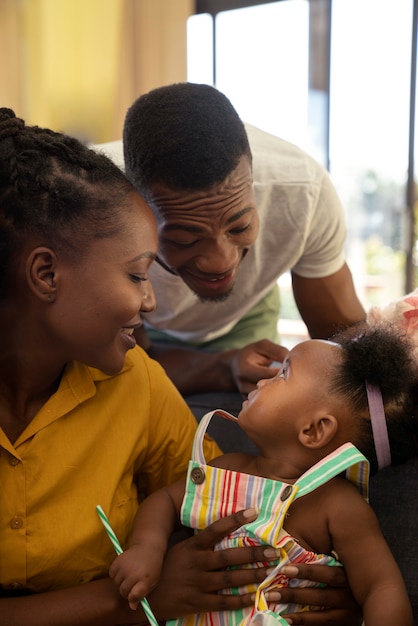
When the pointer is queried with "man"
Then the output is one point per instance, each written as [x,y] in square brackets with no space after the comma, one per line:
[231,219]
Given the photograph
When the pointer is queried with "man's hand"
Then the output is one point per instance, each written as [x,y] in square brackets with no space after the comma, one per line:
[254,362]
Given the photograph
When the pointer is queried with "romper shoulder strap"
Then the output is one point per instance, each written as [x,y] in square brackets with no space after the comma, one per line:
[197,450]
[347,458]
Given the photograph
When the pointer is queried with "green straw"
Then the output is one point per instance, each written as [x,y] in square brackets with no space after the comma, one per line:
[118,548]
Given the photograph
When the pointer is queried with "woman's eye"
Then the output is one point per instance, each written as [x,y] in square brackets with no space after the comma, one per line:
[137,279]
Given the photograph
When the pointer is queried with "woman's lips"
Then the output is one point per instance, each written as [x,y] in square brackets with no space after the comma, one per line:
[127,334]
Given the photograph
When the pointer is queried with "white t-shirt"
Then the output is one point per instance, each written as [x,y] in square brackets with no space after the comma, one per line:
[302,229]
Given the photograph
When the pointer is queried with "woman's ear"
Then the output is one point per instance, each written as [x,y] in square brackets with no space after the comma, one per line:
[41,273]
[319,432]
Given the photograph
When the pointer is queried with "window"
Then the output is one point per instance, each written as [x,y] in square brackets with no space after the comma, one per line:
[338,84]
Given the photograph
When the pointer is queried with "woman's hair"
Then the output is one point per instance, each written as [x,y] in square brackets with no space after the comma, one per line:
[185,135]
[53,190]
[381,356]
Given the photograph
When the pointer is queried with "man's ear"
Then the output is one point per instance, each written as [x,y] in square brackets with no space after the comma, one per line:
[320,430]
[41,273]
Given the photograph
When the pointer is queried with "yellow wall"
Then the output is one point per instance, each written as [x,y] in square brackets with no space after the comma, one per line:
[76,65]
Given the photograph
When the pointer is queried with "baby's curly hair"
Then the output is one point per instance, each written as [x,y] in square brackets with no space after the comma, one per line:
[382,356]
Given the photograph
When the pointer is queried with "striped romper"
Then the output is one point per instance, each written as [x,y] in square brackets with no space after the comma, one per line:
[212,493]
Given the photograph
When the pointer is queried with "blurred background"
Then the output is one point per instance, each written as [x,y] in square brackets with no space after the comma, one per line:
[76,65]
[336,77]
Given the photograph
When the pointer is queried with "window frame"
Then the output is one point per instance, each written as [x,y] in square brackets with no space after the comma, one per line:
[320,57]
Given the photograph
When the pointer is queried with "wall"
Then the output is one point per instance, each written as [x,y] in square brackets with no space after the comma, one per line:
[77,66]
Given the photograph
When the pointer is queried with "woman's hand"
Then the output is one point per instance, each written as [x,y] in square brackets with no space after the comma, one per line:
[336,597]
[194,573]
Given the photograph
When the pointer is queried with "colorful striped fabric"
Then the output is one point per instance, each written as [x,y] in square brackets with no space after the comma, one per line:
[212,493]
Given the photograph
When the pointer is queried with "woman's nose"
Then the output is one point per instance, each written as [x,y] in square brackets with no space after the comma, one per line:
[148,299]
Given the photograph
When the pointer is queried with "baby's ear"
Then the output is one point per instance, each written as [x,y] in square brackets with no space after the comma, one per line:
[318,433]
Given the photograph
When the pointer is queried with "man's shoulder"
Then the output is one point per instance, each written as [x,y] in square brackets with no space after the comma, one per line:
[262,138]
[278,160]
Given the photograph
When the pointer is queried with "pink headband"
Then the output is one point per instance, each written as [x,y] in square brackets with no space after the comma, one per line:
[379,426]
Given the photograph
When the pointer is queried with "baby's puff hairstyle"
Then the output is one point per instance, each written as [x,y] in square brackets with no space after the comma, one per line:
[53,190]
[186,135]
[381,356]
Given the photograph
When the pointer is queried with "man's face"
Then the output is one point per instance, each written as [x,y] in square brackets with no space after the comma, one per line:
[204,235]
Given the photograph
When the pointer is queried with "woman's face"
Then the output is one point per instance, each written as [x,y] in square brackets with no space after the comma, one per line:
[99,299]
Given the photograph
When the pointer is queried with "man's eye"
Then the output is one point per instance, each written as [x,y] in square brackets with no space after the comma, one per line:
[182,244]
[240,230]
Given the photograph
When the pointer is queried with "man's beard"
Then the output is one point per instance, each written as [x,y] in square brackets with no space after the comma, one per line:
[220,298]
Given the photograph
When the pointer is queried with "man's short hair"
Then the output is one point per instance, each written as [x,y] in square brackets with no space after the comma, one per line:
[187,136]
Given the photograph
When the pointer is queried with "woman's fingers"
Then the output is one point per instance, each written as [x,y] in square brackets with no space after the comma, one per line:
[331,604]
[328,575]
[212,534]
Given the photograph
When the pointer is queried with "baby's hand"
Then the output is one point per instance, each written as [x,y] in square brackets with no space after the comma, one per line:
[135,572]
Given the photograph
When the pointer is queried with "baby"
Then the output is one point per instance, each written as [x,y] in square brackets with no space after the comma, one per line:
[334,408]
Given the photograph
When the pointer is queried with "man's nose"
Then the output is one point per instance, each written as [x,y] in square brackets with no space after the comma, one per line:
[218,257]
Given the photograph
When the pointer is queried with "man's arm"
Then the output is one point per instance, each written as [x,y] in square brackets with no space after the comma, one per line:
[195,371]
[327,304]
[192,371]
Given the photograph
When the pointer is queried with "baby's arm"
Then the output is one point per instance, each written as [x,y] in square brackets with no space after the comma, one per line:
[137,570]
[372,571]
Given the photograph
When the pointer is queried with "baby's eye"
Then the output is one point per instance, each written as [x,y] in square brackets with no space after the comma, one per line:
[282,373]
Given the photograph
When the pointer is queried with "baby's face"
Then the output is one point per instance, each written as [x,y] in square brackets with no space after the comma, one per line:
[297,391]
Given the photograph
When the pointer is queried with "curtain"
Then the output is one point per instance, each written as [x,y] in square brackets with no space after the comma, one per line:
[76,66]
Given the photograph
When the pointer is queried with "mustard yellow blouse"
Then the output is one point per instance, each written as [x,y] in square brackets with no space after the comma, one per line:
[93,442]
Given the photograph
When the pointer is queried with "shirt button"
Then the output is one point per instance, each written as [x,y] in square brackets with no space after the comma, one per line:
[16,523]
[14,461]
[197,475]
[286,493]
